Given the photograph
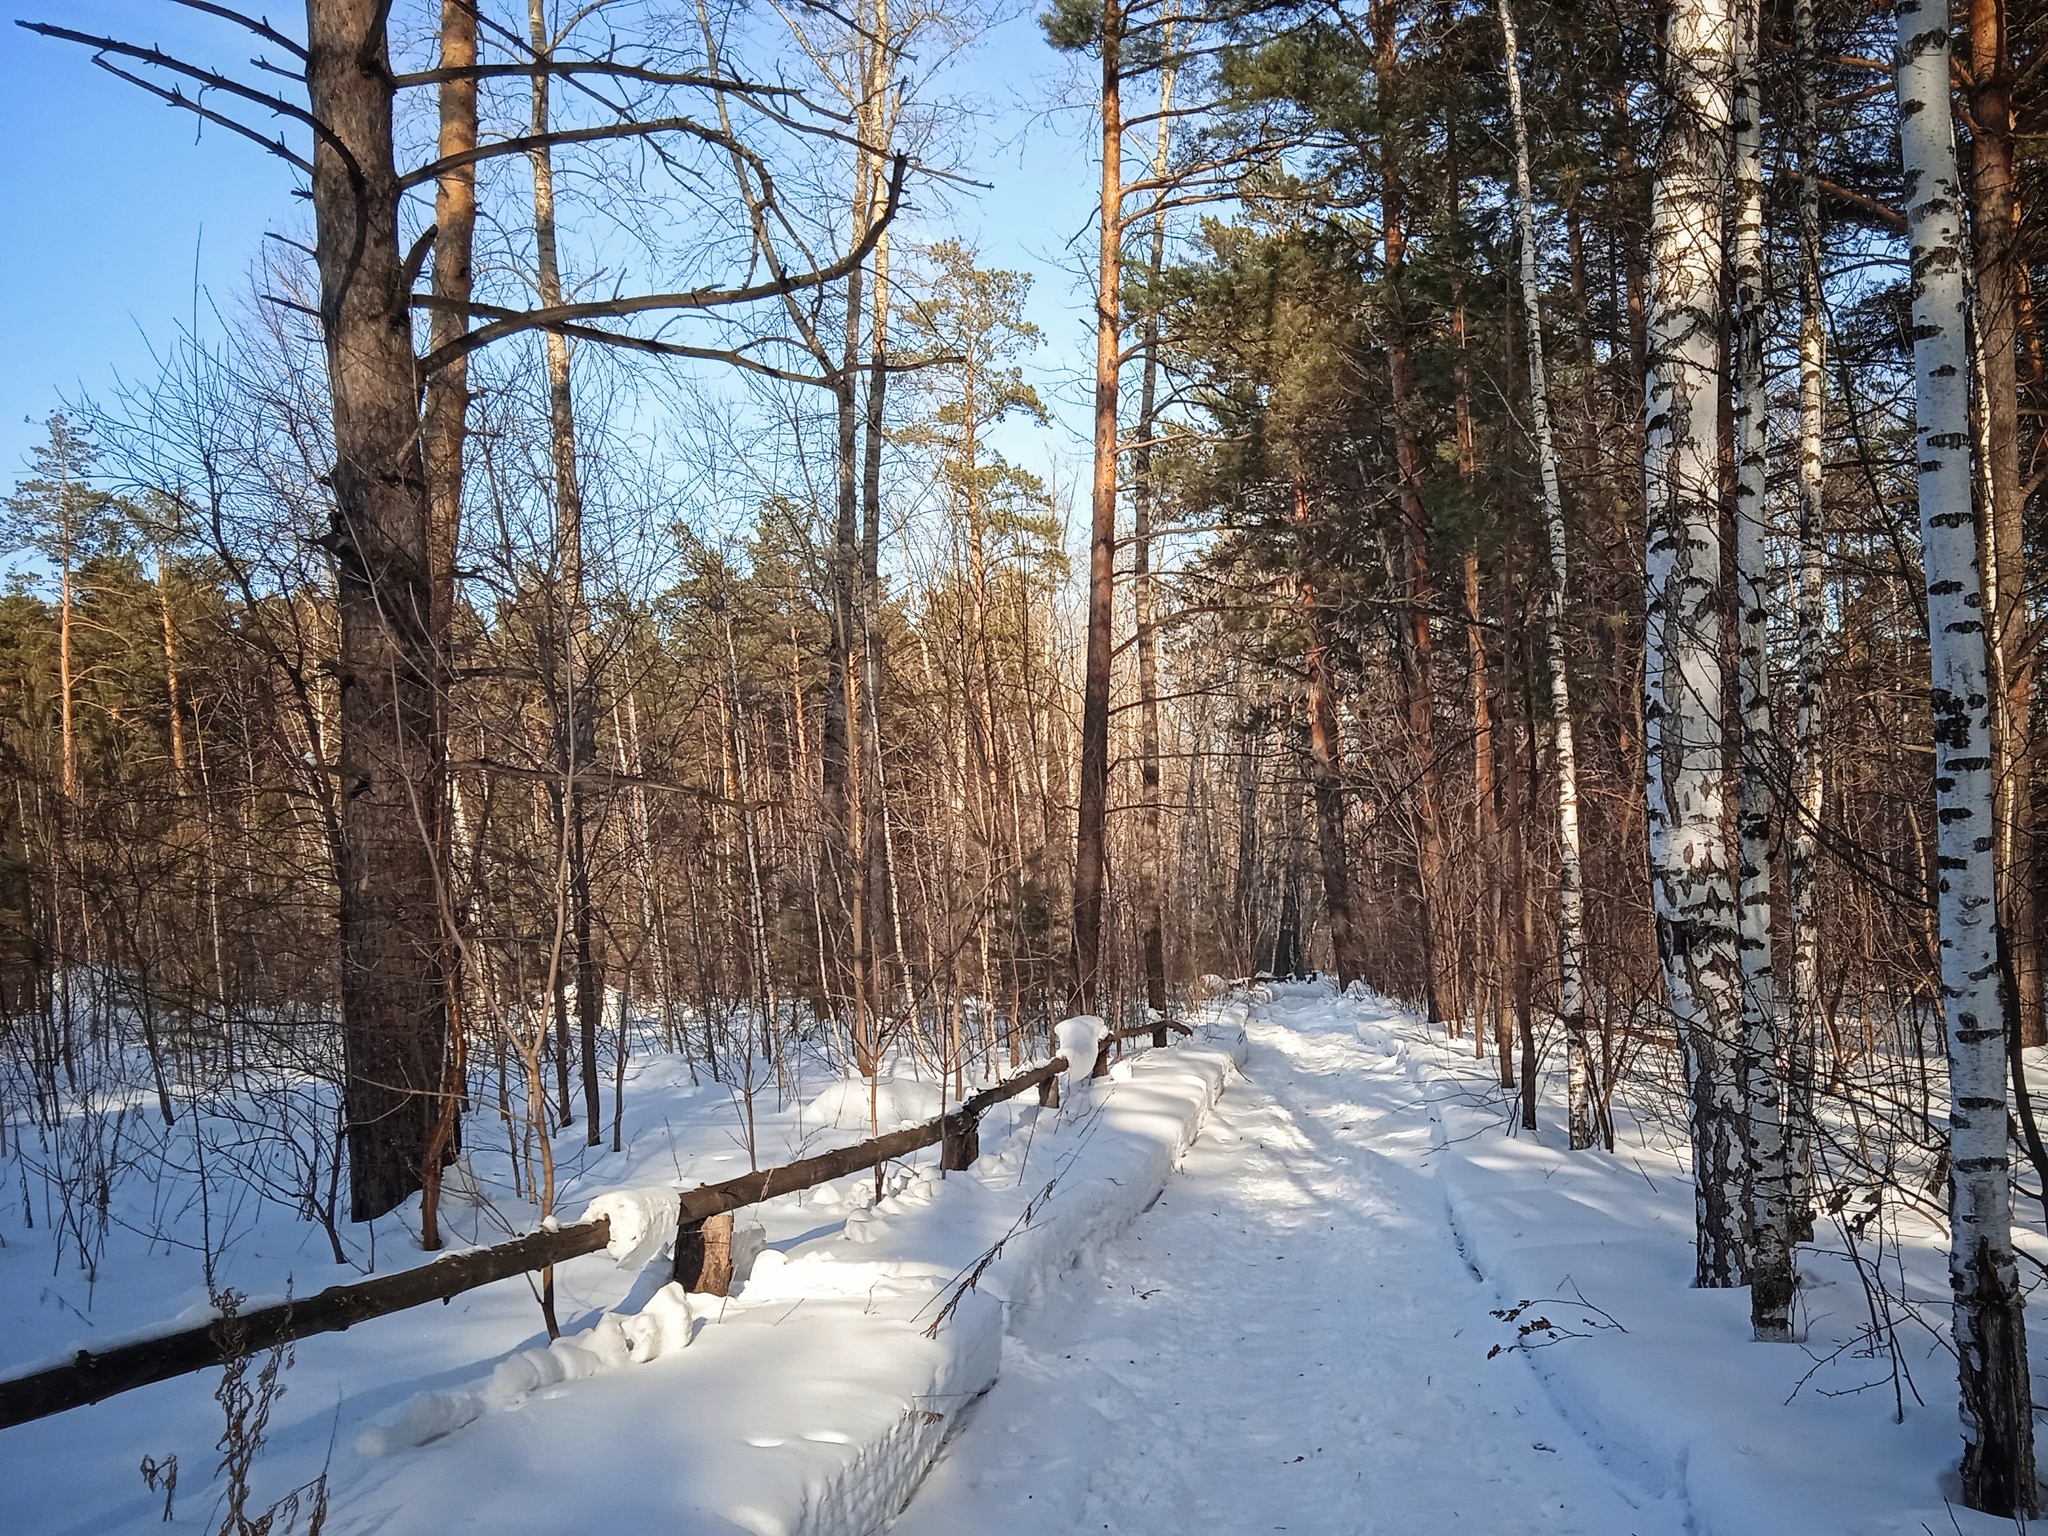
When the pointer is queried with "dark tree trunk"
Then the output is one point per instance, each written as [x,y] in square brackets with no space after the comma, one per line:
[1091,827]
[394,1020]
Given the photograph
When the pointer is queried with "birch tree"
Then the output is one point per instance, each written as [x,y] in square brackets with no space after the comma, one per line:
[1802,1011]
[1771,1271]
[1989,1324]
[1571,879]
[1692,888]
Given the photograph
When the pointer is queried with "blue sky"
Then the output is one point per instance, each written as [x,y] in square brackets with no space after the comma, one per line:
[127,212]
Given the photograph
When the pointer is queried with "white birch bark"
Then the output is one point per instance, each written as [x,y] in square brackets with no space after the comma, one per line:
[1771,1273]
[1802,1016]
[1571,880]
[1990,1330]
[1687,787]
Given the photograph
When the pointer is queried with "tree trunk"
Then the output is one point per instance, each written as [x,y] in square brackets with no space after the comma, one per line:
[1994,219]
[445,415]
[577,726]
[878,894]
[1149,896]
[1685,769]
[1571,875]
[1771,1278]
[840,800]
[1989,1328]
[1326,762]
[444,425]
[1091,825]
[1420,686]
[1804,1012]
[393,1008]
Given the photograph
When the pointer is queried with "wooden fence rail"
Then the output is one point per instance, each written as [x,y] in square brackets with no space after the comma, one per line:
[89,1377]
[703,1260]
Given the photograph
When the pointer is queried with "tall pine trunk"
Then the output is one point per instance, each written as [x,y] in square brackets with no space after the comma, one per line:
[393,1008]
[1419,681]
[1091,827]
[1149,897]
[1993,226]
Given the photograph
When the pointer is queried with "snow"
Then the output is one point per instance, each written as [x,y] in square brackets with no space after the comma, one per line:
[815,1399]
[1303,1336]
[1079,1039]
[1733,1429]
[643,1222]
[1194,1298]
[1290,1341]
[812,1401]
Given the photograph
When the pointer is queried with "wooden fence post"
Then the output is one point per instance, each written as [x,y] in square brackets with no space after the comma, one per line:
[961,1144]
[704,1255]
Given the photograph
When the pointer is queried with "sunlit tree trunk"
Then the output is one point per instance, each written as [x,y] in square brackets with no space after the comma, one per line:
[1993,225]
[1687,782]
[1571,875]
[1771,1272]
[1989,1326]
[1802,1014]
[1149,896]
[393,1005]
[1091,827]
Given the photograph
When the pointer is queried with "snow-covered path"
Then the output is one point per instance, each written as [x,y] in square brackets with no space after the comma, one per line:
[1289,1341]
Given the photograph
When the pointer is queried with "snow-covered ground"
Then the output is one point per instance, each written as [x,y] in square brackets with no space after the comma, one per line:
[1298,1330]
[1298,1337]
[810,1402]
[1290,1341]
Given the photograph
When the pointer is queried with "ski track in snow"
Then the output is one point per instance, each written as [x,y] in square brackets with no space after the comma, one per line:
[1290,1341]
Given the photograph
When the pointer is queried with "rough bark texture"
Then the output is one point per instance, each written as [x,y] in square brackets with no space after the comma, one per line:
[1418,642]
[1990,1331]
[1091,827]
[1771,1269]
[1993,224]
[1686,777]
[394,1022]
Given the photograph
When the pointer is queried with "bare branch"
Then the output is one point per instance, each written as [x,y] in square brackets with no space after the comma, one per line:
[259,25]
[697,298]
[178,98]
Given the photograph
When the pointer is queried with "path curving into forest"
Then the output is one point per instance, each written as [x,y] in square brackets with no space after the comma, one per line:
[1289,1341]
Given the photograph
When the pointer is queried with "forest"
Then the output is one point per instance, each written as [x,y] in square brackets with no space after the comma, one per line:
[1536,532]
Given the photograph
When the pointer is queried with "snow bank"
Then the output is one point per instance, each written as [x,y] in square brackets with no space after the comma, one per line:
[619,1340]
[812,1402]
[1756,1439]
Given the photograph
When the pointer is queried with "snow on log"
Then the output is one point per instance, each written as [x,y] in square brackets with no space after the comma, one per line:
[812,1402]
[88,1377]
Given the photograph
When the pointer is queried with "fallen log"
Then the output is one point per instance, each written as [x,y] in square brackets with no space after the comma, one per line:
[89,1377]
